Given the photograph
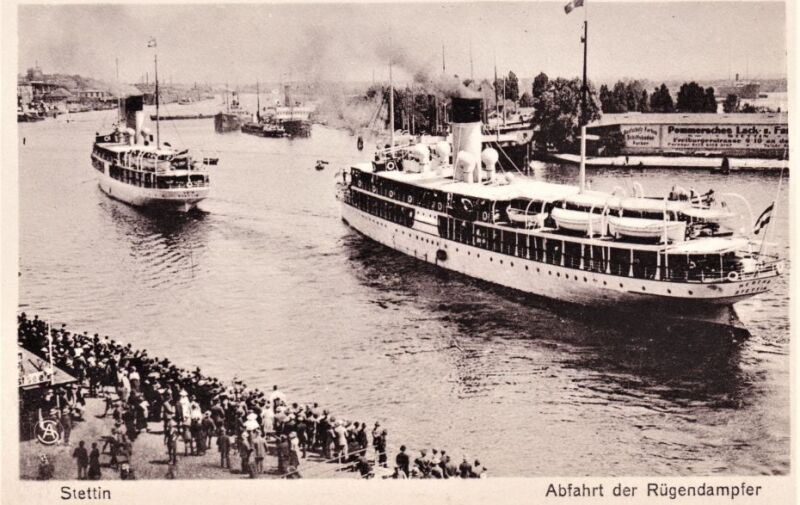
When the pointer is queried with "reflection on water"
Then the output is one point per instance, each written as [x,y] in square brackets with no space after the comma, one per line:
[679,368]
[266,283]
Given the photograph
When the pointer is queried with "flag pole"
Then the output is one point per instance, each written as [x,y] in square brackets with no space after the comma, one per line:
[50,352]
[761,248]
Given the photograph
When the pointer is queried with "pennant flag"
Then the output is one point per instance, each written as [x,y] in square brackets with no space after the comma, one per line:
[574,4]
[763,219]
[151,42]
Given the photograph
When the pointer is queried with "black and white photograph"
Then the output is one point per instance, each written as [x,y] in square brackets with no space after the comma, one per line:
[378,241]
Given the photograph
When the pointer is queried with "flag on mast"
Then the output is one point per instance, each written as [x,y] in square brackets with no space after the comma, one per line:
[574,4]
[152,42]
[763,219]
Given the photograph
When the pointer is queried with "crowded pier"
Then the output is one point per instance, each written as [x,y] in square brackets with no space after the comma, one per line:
[248,431]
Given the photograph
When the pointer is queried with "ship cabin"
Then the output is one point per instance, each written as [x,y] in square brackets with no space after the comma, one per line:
[516,219]
[147,166]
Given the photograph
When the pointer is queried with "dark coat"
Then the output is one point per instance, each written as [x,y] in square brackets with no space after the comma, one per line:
[402,461]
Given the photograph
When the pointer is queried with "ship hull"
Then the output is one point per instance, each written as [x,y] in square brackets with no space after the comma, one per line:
[176,199]
[224,123]
[708,304]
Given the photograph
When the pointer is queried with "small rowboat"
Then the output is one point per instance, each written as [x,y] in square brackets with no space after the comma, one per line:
[578,220]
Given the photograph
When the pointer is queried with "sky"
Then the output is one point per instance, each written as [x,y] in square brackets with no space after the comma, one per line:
[242,43]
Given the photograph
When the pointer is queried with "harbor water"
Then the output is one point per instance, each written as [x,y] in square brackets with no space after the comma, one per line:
[267,284]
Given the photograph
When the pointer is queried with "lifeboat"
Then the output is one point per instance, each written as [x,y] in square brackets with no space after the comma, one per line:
[584,212]
[718,215]
[646,228]
[526,219]
[579,220]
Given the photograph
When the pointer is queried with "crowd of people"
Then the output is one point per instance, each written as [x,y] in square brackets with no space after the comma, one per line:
[197,413]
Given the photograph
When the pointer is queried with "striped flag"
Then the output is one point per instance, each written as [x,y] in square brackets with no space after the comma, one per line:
[574,4]
[763,219]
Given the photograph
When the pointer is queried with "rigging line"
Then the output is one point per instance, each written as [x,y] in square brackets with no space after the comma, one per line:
[509,160]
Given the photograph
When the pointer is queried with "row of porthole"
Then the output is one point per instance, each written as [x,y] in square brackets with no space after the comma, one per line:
[585,279]
[750,290]
[549,272]
[759,281]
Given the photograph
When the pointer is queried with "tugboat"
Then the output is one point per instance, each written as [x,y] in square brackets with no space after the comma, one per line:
[134,167]
[288,120]
[668,258]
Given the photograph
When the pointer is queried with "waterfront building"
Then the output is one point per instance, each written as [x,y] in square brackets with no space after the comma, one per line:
[695,134]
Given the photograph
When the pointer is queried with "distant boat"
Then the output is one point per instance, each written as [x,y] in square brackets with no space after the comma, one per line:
[233,117]
[28,117]
[175,117]
[281,121]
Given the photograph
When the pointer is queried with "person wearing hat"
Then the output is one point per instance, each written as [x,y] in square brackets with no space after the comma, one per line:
[340,441]
[259,450]
[208,428]
[224,446]
[294,450]
[46,469]
[324,431]
[380,448]
[302,434]
[167,412]
[171,436]
[362,438]
[283,454]
[478,471]
[94,463]
[276,397]
[465,469]
[422,463]
[81,456]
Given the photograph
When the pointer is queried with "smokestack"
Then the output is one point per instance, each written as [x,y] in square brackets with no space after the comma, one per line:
[467,134]
[287,98]
[132,111]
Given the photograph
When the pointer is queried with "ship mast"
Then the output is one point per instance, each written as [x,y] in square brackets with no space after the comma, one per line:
[496,101]
[585,88]
[391,108]
[119,92]
[158,130]
[258,103]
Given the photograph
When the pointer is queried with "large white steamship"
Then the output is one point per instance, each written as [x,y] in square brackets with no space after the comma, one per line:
[133,168]
[675,257]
